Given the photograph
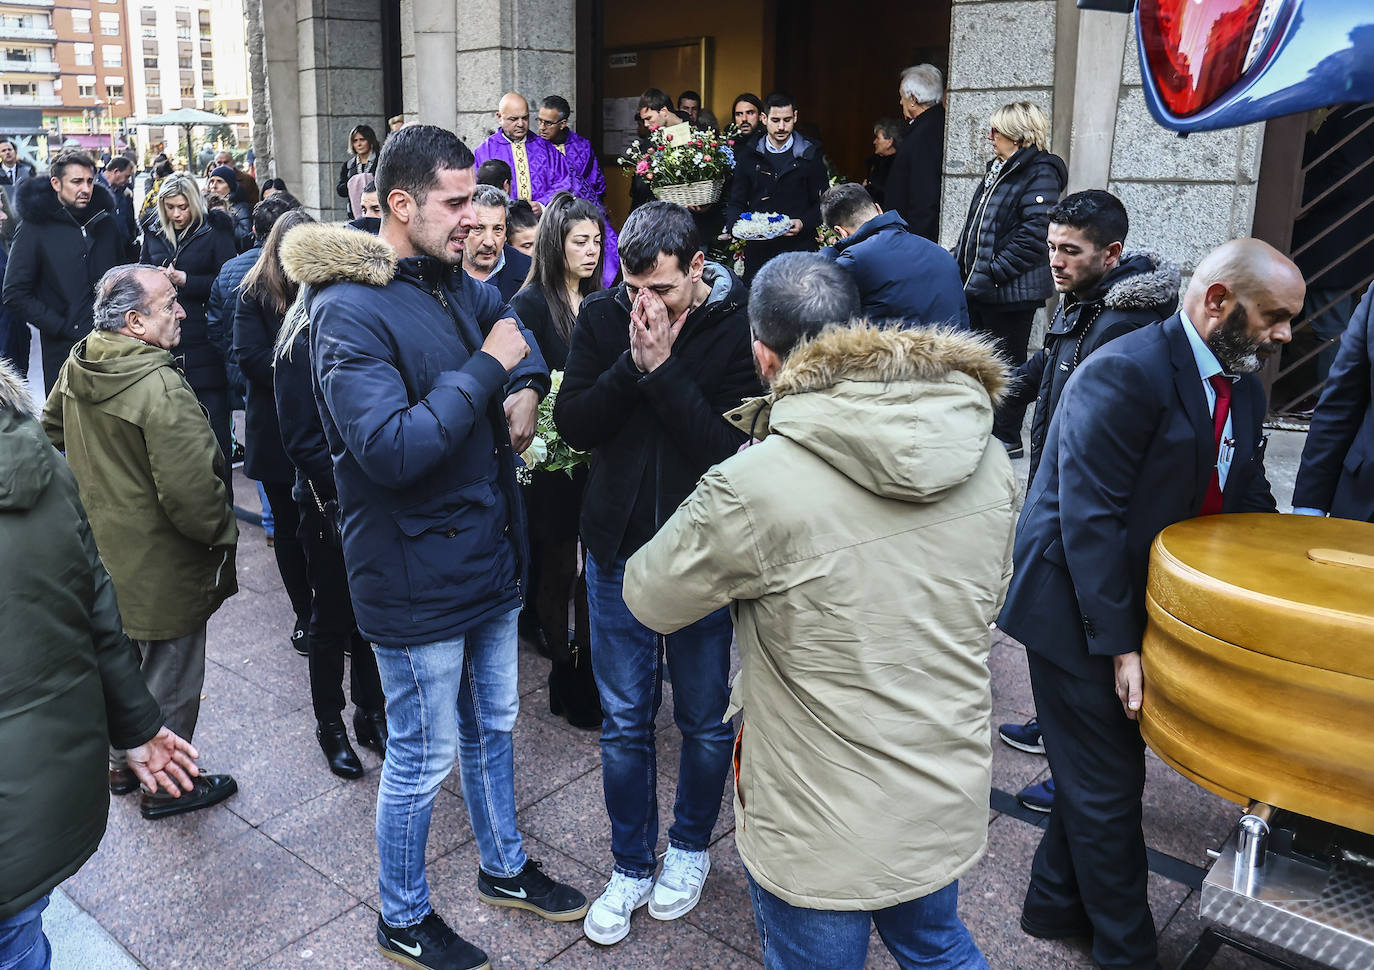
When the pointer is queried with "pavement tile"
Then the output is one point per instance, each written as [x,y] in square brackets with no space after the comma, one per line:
[725,911]
[653,945]
[278,766]
[1182,819]
[1010,678]
[348,940]
[231,703]
[335,833]
[249,635]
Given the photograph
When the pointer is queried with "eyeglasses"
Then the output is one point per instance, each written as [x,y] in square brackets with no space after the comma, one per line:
[548,124]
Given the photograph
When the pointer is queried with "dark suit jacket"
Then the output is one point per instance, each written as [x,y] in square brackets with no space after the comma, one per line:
[1337,473]
[1129,452]
[913,186]
[512,275]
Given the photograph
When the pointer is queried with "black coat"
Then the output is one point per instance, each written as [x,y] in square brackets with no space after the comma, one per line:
[1002,250]
[1130,452]
[55,262]
[124,215]
[913,187]
[203,251]
[1337,472]
[790,183]
[255,332]
[652,435]
[902,276]
[512,275]
[22,171]
[1141,289]
[877,170]
[298,420]
[349,169]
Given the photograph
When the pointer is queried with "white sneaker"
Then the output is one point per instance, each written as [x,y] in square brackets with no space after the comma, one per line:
[608,919]
[678,888]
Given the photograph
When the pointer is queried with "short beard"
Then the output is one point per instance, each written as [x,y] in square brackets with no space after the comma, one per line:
[443,254]
[1234,349]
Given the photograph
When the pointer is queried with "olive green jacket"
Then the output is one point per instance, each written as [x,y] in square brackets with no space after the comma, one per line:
[69,678]
[864,546]
[149,469]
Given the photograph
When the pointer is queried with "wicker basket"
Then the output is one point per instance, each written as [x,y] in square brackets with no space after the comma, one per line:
[691,193]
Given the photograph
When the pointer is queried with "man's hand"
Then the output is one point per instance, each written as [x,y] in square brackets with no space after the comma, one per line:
[165,762]
[796,228]
[652,334]
[1130,682]
[537,206]
[522,414]
[506,343]
[175,276]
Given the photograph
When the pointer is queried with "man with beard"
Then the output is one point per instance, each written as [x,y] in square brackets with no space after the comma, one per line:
[1159,425]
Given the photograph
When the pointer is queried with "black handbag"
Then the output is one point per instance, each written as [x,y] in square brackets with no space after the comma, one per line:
[331,518]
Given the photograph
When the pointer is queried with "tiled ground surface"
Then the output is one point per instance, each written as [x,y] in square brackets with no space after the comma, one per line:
[283,875]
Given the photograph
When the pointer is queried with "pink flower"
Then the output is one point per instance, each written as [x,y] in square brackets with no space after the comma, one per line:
[705,158]
[669,137]
[643,166]
[649,176]
[730,141]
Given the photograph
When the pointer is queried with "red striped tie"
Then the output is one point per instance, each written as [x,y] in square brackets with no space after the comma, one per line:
[1211,505]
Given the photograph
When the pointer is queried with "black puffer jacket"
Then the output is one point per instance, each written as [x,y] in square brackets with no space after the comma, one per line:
[203,251]
[1139,290]
[1002,251]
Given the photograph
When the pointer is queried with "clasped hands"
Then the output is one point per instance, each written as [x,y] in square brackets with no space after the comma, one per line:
[652,333]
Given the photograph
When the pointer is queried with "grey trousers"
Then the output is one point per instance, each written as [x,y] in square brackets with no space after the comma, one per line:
[174,671]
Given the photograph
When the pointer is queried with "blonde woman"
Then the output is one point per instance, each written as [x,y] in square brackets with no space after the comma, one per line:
[1002,251]
[190,245]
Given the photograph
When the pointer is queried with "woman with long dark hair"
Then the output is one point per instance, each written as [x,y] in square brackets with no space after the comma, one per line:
[190,244]
[363,149]
[566,267]
[333,631]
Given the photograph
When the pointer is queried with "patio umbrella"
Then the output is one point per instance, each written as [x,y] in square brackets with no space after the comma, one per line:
[187,118]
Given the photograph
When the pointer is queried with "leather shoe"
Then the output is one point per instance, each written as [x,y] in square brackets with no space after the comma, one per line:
[343,760]
[369,727]
[208,790]
[123,781]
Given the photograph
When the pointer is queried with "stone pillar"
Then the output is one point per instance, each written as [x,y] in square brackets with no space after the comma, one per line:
[339,60]
[283,93]
[1101,45]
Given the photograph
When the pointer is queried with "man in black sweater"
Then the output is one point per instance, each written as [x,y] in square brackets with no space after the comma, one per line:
[653,366]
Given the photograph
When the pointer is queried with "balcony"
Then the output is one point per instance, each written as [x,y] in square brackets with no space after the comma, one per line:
[33,100]
[47,4]
[26,33]
[29,67]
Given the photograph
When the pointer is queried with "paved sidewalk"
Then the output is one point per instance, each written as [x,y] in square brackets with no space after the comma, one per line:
[283,875]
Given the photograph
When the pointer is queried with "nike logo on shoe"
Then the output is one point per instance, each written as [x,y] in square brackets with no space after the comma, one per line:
[414,951]
[514,893]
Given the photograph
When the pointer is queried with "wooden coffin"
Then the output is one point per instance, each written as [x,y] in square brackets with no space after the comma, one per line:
[1259,661]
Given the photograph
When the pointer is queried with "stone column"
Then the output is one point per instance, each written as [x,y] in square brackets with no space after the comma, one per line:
[283,93]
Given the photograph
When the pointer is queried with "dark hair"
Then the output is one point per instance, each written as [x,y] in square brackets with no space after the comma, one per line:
[690,96]
[519,216]
[1097,214]
[371,186]
[797,295]
[276,185]
[658,228]
[119,164]
[547,269]
[847,204]
[67,157]
[747,98]
[412,159]
[164,168]
[10,142]
[366,131]
[891,128]
[269,210]
[493,172]
[266,281]
[557,103]
[706,118]
[778,99]
[654,100]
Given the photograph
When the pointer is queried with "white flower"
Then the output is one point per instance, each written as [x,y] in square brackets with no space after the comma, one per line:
[535,453]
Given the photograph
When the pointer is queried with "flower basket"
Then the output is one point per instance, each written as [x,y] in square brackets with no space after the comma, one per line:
[692,193]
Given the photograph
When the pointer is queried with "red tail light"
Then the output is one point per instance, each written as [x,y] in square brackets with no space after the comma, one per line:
[1197,49]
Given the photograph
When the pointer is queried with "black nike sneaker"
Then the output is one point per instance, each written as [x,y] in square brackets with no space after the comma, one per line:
[531,889]
[429,945]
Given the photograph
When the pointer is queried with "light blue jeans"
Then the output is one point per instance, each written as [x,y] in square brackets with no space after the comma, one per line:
[454,697]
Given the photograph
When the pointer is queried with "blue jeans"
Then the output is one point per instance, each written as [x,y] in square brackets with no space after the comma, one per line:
[924,933]
[628,664]
[22,943]
[451,697]
[267,519]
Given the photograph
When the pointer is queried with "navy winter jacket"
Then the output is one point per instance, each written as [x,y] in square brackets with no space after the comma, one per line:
[433,529]
[219,312]
[902,276]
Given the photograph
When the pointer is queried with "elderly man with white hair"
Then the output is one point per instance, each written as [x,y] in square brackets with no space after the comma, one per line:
[913,188]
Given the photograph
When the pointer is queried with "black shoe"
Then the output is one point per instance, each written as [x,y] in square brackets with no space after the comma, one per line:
[429,945]
[300,642]
[343,760]
[369,727]
[535,891]
[209,790]
[573,695]
[123,781]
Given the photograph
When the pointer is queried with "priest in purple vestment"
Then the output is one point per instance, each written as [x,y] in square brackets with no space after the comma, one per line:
[538,170]
[588,182]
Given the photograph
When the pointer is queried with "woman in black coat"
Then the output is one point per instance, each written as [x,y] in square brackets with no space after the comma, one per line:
[313,501]
[566,267]
[1003,249]
[363,149]
[887,135]
[191,244]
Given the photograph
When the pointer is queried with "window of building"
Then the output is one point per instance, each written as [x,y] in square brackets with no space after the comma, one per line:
[25,54]
[85,85]
[114,89]
[20,90]
[188,91]
[184,62]
[183,33]
[154,89]
[150,31]
[81,21]
[150,62]
[85,53]
[148,15]
[112,55]
[109,23]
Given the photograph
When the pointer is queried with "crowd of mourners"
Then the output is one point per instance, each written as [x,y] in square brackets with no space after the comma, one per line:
[810,459]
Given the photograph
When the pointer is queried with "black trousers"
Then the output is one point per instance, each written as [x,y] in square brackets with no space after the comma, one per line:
[1010,327]
[1090,872]
[286,546]
[332,628]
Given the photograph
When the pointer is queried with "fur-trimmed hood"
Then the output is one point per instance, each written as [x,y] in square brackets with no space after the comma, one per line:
[316,254]
[36,201]
[1142,280]
[904,413]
